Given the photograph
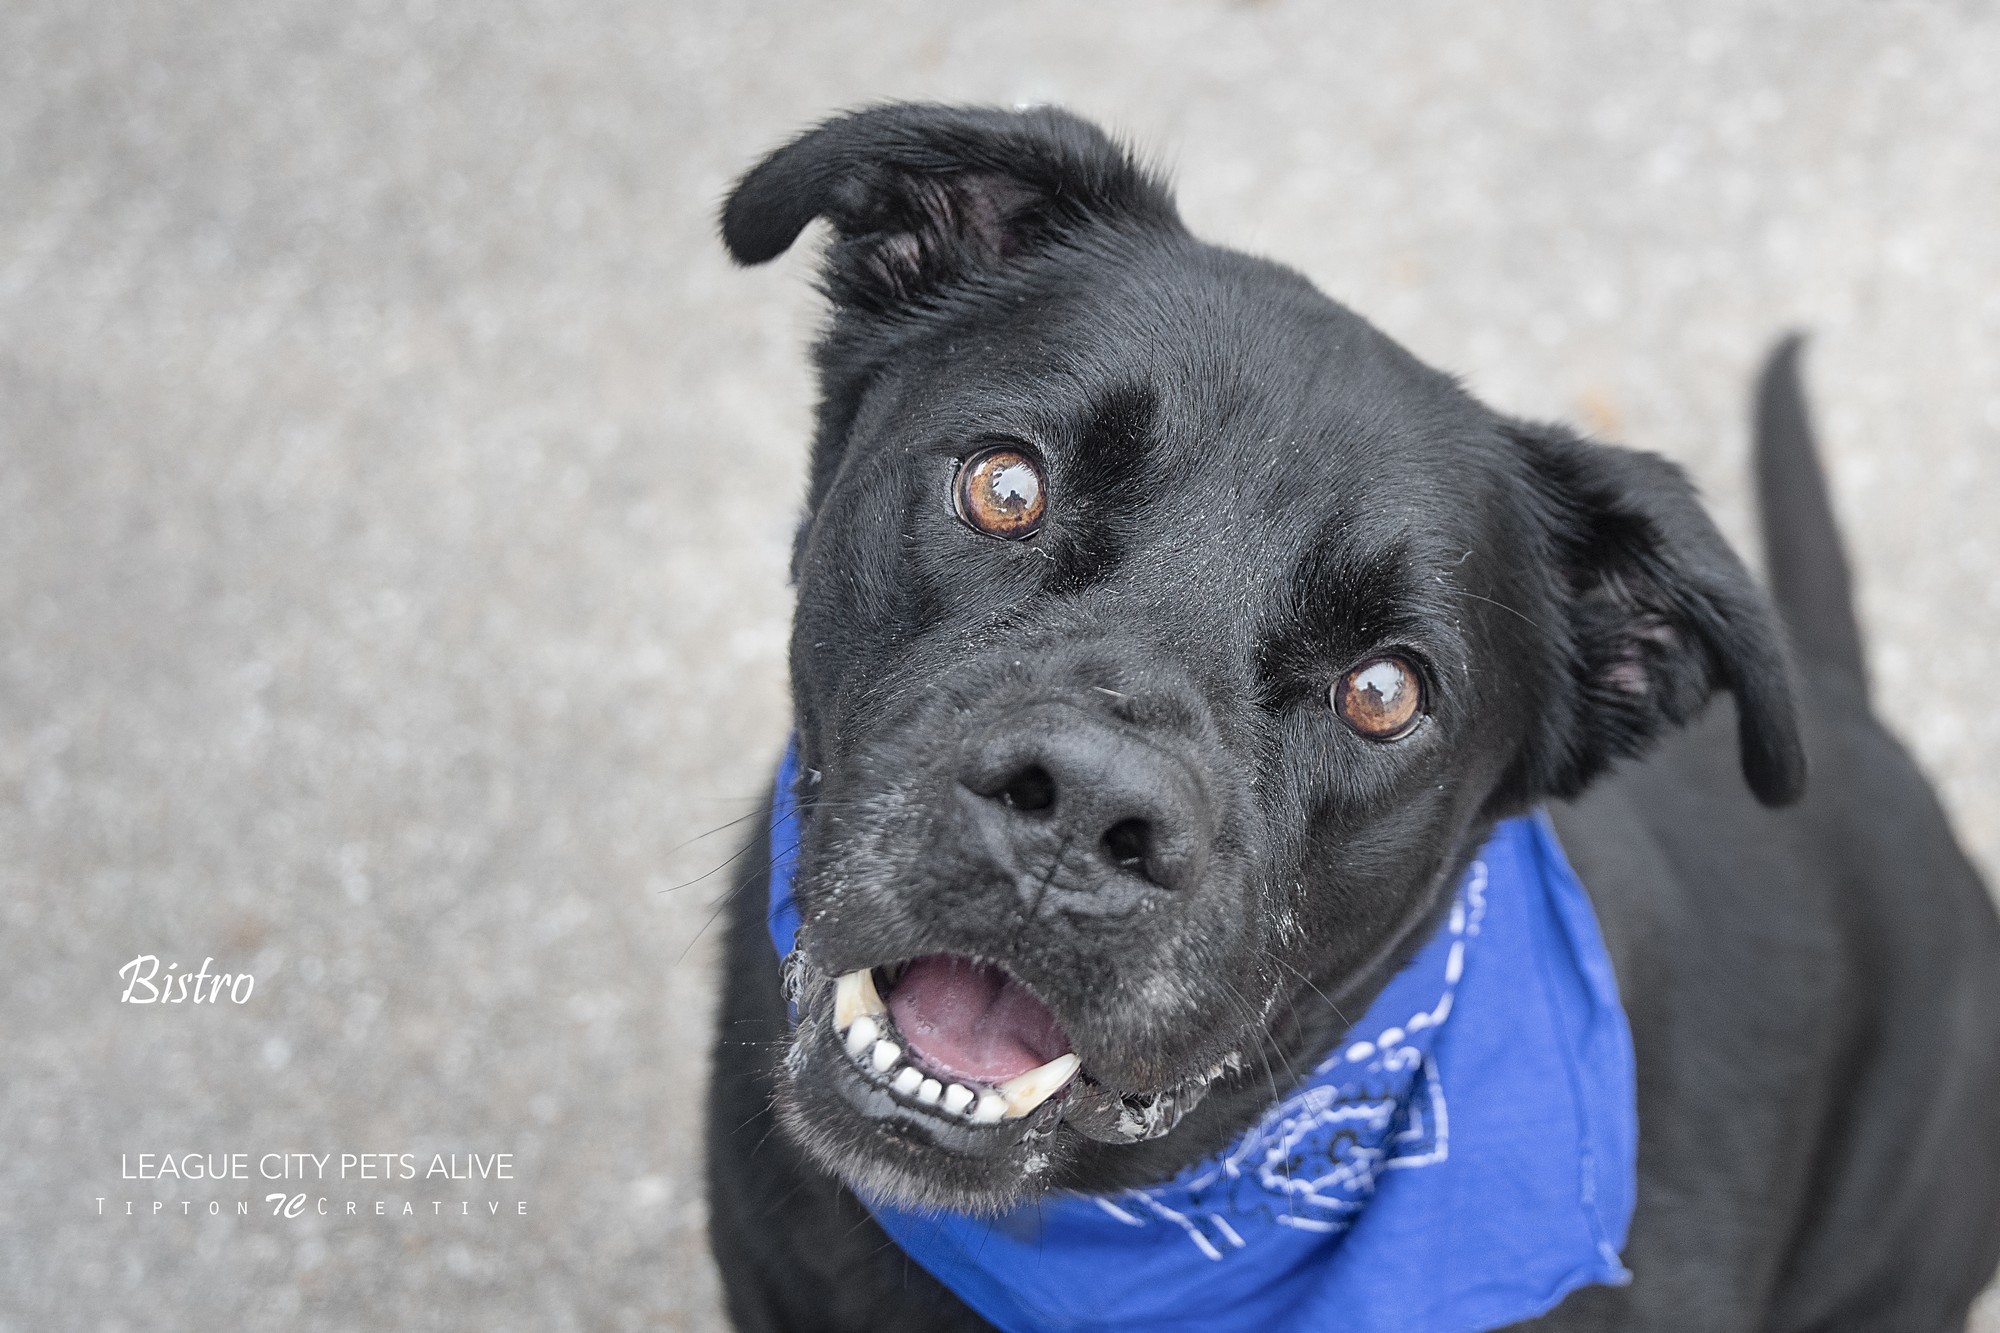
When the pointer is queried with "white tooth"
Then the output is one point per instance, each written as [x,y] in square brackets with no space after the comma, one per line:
[861,1036]
[928,1091]
[991,1107]
[853,997]
[908,1081]
[1024,1092]
[956,1098]
[884,1056]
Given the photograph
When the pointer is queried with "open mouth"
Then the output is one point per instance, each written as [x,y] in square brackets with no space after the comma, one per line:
[952,1038]
[964,1054]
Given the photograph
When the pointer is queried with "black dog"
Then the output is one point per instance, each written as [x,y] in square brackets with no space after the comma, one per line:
[1168,640]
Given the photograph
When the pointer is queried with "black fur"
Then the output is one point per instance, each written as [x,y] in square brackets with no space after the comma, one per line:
[1250,490]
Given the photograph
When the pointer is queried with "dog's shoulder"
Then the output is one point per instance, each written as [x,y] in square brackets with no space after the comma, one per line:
[1807,989]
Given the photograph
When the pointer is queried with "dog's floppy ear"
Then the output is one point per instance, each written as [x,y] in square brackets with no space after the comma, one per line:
[1654,613]
[922,197]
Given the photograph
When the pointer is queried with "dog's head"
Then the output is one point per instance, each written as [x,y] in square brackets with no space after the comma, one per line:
[1167,640]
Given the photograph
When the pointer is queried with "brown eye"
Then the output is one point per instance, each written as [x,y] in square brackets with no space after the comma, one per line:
[1382,699]
[999,492]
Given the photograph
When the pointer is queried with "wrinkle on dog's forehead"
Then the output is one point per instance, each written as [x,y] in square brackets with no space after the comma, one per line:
[1227,368]
[1248,411]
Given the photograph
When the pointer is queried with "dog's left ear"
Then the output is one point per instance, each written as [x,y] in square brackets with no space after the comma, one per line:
[1654,613]
[924,198]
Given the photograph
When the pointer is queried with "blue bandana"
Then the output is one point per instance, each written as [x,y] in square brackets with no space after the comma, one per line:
[1464,1159]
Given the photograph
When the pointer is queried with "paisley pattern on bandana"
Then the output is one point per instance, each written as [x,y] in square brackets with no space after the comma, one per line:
[1376,1104]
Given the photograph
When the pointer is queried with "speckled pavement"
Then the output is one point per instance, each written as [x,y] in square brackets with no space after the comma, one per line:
[395,483]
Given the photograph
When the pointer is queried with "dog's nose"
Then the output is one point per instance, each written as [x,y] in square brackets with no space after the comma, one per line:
[1060,784]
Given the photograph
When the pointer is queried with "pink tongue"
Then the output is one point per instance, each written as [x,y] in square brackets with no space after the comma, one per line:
[973,1020]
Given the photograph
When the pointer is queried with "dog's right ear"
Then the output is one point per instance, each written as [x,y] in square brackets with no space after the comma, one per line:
[923,198]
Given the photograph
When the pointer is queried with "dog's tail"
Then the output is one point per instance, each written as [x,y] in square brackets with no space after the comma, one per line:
[1802,551]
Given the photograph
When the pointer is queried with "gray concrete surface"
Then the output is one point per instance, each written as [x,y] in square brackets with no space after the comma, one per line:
[395,483]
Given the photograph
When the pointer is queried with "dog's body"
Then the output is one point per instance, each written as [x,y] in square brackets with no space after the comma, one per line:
[1813,992]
